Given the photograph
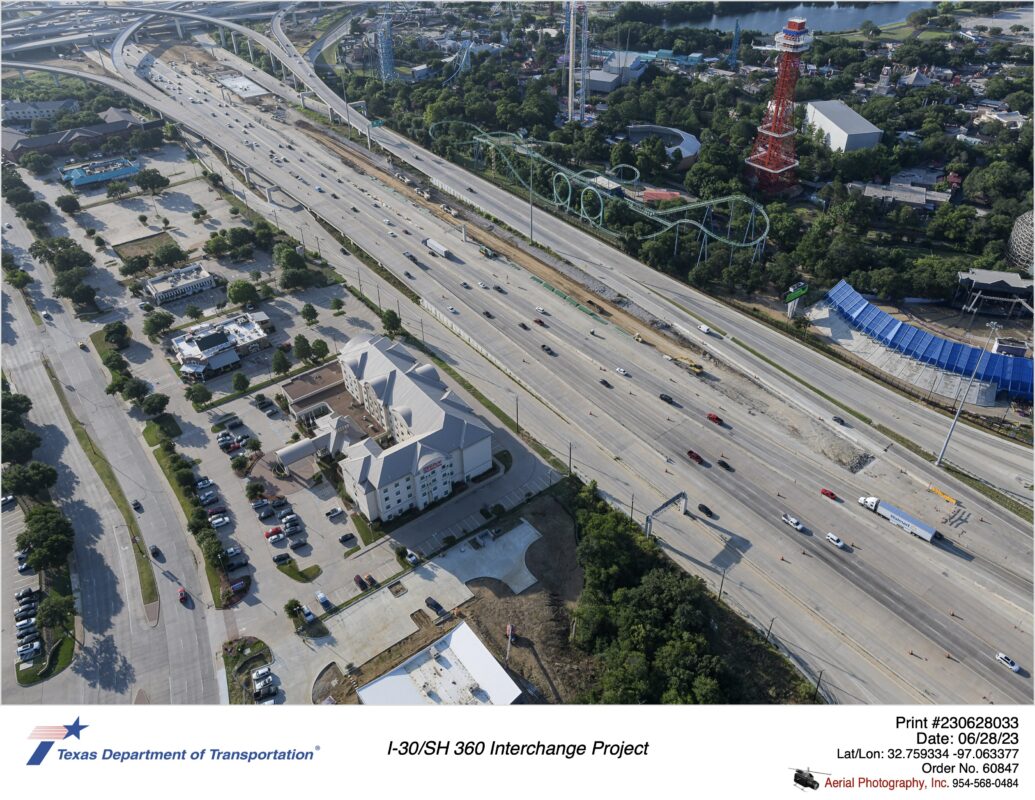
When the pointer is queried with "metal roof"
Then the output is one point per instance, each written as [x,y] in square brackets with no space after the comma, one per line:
[837,113]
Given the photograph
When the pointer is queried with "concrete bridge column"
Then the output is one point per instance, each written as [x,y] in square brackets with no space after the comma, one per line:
[179,27]
[269,194]
[233,41]
[247,174]
[294,17]
[21,73]
[56,77]
[251,55]
[222,38]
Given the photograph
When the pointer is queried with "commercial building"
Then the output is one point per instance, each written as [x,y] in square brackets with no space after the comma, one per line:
[249,91]
[620,68]
[438,441]
[845,130]
[13,111]
[16,144]
[179,283]
[914,80]
[674,140]
[94,172]
[457,669]
[903,194]
[1014,120]
[1007,292]
[210,348]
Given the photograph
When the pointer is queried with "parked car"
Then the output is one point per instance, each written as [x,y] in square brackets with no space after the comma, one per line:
[346,538]
[412,557]
[794,522]
[333,512]
[202,483]
[232,551]
[277,537]
[362,584]
[25,632]
[7,500]
[137,505]
[434,605]
[182,594]
[288,517]
[370,579]
[321,598]
[281,558]
[260,673]
[298,544]
[262,501]
[279,501]
[273,531]
[266,513]
[24,593]
[155,551]
[263,682]
[217,511]
[219,522]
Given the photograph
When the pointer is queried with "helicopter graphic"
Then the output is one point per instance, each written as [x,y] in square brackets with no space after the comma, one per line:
[803,778]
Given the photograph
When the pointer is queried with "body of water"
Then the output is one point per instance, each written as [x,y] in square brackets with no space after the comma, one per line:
[826,17]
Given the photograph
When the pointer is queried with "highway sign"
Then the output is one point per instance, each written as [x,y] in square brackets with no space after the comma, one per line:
[796,291]
[377,123]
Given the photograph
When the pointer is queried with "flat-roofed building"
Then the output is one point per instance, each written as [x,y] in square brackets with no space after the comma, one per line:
[845,130]
[12,110]
[94,172]
[179,283]
[210,348]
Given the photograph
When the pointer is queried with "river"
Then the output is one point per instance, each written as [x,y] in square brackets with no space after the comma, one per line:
[821,16]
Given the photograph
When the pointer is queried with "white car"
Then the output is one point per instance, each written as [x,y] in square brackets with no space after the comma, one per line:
[835,540]
[794,522]
[308,615]
[262,683]
[452,310]
[1002,658]
[621,371]
[386,221]
[260,673]
[230,552]
[704,329]
[219,522]
[482,285]
[412,557]
[540,310]
[204,483]
[277,537]
[333,513]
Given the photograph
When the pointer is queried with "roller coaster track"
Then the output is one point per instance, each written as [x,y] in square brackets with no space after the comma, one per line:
[735,221]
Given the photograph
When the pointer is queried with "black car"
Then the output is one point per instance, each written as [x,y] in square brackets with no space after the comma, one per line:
[24,632]
[235,423]
[137,506]
[22,594]
[155,551]
[499,289]
[838,420]
[546,349]
[523,326]
[488,314]
[724,465]
[280,501]
[265,691]
[299,544]
[346,538]
[280,558]
[237,563]
[605,384]
[666,398]
[266,512]
[434,605]
[705,510]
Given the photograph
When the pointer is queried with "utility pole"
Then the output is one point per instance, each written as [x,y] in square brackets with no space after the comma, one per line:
[993,327]
[517,414]
[531,233]
[569,458]
[819,680]
[722,583]
[770,628]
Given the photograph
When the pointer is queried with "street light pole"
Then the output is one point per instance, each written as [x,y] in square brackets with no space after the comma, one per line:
[992,328]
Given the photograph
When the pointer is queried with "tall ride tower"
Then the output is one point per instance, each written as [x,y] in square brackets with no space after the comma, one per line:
[772,160]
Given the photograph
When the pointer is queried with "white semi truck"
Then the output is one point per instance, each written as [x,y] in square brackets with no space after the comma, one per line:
[437,248]
[900,518]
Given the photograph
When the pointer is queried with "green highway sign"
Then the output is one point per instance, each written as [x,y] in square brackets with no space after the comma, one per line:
[796,291]
[377,123]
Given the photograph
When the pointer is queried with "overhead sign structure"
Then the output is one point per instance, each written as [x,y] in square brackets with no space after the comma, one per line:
[796,291]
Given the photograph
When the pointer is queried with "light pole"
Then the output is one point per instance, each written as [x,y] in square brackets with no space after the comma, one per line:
[992,328]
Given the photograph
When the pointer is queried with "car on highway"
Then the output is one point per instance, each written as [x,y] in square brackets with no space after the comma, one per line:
[621,371]
[794,522]
[137,505]
[724,465]
[539,322]
[838,420]
[482,285]
[153,549]
[277,537]
[705,510]
[828,493]
[547,349]
[835,540]
[219,522]
[666,398]
[540,310]
[332,513]
[605,383]
[452,310]
[523,326]
[496,287]
[693,456]
[715,418]
[82,345]
[409,275]
[488,315]
[273,531]
[1007,662]
[704,329]
[182,595]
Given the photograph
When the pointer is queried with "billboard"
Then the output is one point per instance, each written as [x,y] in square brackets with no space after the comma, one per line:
[796,291]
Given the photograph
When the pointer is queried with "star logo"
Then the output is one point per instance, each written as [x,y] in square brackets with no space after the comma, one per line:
[48,734]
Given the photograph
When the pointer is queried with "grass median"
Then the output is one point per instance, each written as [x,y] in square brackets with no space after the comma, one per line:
[148,588]
[307,575]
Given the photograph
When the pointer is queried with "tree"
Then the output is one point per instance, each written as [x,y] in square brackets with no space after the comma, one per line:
[253,444]
[240,382]
[392,323]
[292,607]
[167,254]
[309,313]
[36,211]
[49,535]
[157,323]
[285,257]
[114,362]
[134,265]
[135,390]
[117,189]
[320,350]
[651,158]
[117,334]
[241,292]
[13,407]
[193,312]
[142,219]
[37,163]
[56,611]
[198,393]
[31,479]
[280,363]
[337,304]
[302,349]
[151,180]
[622,153]
[18,444]
[154,404]
[68,203]
[253,490]
[239,463]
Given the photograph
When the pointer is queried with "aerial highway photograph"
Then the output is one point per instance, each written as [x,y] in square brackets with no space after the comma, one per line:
[535,353]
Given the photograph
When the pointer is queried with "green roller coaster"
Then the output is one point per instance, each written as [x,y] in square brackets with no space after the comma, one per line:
[734,220]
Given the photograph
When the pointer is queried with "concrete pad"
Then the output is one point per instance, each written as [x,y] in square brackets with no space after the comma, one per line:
[502,558]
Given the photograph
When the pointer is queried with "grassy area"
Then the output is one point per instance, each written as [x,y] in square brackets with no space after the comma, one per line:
[61,656]
[290,568]
[350,551]
[144,246]
[100,346]
[239,659]
[698,317]
[366,533]
[148,589]
[162,425]
[32,308]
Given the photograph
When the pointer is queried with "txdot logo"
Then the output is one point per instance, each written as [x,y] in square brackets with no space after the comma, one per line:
[50,734]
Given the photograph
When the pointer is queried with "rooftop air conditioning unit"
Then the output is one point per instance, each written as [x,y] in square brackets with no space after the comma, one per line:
[433,653]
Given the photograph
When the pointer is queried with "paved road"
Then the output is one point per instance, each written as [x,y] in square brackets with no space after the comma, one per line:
[123,653]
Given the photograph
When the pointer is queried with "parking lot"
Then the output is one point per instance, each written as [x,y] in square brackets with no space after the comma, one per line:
[13,521]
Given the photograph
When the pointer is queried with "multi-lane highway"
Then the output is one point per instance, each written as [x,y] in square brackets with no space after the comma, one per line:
[862,613]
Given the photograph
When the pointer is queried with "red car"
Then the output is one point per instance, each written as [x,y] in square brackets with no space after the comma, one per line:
[715,418]
[693,456]
[539,322]
[183,595]
[828,493]
[217,511]
[273,531]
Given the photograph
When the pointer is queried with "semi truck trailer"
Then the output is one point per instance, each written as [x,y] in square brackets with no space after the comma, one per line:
[900,518]
[437,248]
